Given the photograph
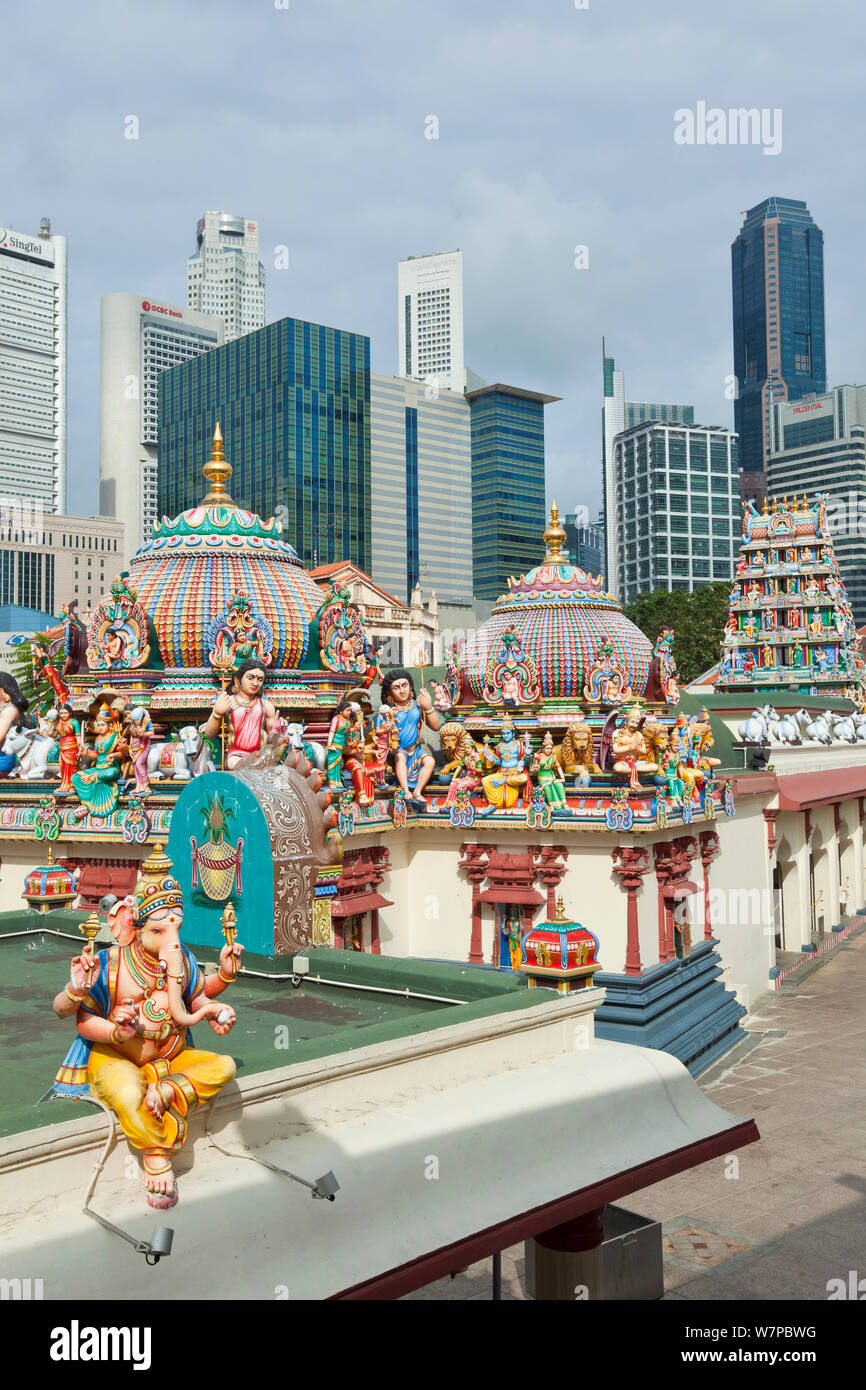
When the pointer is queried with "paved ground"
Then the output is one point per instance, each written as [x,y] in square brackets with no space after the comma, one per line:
[790,1214]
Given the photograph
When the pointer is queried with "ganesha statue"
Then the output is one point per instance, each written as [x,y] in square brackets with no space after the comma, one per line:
[134,1005]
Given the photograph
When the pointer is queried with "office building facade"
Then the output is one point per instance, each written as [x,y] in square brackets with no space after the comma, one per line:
[618,414]
[430,319]
[819,445]
[777,274]
[584,543]
[420,489]
[33,367]
[677,507]
[224,275]
[508,512]
[47,559]
[293,401]
[140,339]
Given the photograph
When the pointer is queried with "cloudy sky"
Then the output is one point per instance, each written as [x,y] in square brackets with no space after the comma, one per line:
[556,130]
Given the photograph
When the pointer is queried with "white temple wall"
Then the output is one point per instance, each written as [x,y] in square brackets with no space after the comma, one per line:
[741,901]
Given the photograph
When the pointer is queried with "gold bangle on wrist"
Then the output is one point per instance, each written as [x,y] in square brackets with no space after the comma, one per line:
[76,998]
[226,979]
[114,1037]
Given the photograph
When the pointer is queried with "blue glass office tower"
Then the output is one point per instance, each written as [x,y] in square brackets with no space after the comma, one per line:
[508,516]
[777,269]
[293,400]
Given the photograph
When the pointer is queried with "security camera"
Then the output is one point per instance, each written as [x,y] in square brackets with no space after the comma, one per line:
[159,1244]
[326,1186]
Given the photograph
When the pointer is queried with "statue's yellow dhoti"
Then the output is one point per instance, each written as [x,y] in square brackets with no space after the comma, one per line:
[193,1075]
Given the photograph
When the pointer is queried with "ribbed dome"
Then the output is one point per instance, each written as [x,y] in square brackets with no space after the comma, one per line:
[186,576]
[562,617]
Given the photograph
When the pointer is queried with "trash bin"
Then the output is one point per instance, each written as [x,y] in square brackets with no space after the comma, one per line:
[627,1266]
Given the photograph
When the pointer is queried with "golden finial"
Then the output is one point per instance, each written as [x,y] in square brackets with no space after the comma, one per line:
[785,503]
[217,471]
[775,506]
[554,538]
[766,508]
[805,503]
[560,909]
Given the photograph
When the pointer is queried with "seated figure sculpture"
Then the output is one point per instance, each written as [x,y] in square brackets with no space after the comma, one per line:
[631,749]
[134,1004]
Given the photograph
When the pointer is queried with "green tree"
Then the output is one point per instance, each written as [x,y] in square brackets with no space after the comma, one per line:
[698,621]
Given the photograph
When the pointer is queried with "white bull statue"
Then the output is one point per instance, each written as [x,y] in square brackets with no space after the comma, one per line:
[180,759]
[313,751]
[756,728]
[32,750]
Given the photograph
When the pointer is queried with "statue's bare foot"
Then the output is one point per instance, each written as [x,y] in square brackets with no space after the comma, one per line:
[159,1182]
[157,1096]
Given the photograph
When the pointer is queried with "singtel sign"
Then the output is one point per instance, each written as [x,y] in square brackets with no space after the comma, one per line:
[26,245]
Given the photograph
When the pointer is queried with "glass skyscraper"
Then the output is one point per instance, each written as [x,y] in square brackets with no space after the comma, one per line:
[508,515]
[777,269]
[293,400]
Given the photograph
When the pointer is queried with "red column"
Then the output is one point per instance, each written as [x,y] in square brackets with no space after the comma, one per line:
[474,861]
[337,925]
[634,863]
[375,945]
[709,850]
[551,870]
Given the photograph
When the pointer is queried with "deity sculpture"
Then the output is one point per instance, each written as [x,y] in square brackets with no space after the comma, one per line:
[239,634]
[67,731]
[630,749]
[606,678]
[750,627]
[347,751]
[551,777]
[249,715]
[404,716]
[465,763]
[117,633]
[816,623]
[98,789]
[140,735]
[134,1004]
[511,677]
[504,787]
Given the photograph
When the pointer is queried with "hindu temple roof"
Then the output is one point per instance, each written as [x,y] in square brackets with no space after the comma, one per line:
[186,575]
[564,617]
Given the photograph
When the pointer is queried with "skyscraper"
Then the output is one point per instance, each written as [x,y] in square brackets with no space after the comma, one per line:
[140,338]
[618,414]
[224,275]
[293,400]
[421,489]
[507,484]
[678,507]
[819,445]
[33,367]
[777,273]
[430,319]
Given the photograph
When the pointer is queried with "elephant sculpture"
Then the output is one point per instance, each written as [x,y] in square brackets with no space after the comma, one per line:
[179,759]
[133,1050]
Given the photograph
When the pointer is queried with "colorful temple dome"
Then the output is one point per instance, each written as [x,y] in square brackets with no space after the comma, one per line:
[49,885]
[565,621]
[186,576]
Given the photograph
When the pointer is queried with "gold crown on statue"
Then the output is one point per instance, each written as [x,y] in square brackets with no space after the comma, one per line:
[156,887]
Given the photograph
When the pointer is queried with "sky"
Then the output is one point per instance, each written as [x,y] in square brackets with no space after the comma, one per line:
[556,124]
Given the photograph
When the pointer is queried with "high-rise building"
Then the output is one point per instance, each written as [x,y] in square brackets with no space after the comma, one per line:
[677,507]
[818,445]
[777,273]
[47,559]
[293,401]
[224,275]
[33,367]
[618,414]
[430,319]
[507,484]
[140,339]
[584,543]
[420,489]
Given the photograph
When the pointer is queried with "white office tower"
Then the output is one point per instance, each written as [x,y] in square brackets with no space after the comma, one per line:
[430,319]
[33,367]
[224,275]
[420,490]
[140,338]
